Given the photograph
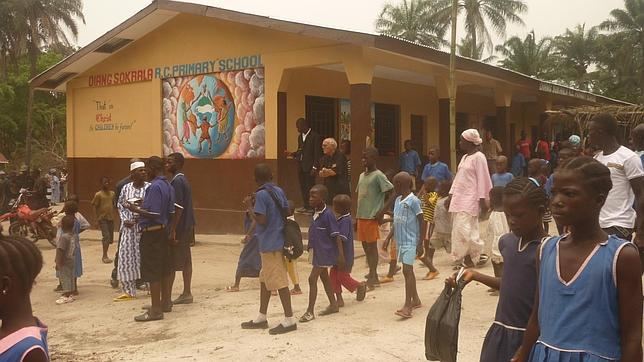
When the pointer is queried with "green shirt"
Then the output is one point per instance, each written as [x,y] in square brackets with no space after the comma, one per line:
[103,203]
[372,188]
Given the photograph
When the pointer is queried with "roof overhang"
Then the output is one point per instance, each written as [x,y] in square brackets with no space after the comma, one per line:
[161,11]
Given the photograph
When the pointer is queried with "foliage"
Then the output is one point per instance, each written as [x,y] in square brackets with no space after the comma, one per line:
[411,20]
[528,56]
[49,117]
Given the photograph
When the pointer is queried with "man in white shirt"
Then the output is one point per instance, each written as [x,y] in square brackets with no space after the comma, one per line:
[618,215]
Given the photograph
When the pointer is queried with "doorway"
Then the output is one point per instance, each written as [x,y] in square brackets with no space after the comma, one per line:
[322,113]
[418,134]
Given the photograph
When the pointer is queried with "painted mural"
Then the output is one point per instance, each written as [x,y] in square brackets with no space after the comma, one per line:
[215,115]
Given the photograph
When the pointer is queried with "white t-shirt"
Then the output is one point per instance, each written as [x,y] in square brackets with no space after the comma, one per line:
[624,165]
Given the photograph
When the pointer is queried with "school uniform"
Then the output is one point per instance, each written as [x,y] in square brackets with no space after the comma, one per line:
[159,200]
[181,256]
[14,347]
[579,319]
[342,278]
[322,233]
[407,227]
[516,299]
[250,262]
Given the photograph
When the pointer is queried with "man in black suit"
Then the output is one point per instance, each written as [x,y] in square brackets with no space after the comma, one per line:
[309,149]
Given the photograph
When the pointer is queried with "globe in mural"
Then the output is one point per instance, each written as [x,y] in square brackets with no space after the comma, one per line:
[205,117]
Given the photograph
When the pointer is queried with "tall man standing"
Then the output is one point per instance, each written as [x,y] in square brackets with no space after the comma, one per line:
[308,153]
[617,216]
[269,199]
[181,256]
[155,219]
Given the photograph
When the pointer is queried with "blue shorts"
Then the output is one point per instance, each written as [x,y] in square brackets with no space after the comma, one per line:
[406,255]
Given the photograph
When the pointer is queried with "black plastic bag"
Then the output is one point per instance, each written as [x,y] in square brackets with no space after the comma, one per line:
[441,327]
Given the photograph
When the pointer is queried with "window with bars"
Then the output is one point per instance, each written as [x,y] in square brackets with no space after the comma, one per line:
[387,129]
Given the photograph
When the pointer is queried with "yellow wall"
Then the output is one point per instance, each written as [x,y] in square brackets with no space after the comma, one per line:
[184,39]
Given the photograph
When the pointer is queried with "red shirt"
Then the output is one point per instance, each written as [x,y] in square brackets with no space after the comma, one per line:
[543,147]
[524,147]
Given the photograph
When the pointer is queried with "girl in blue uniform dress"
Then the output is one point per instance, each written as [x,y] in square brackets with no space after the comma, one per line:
[589,299]
[524,203]
[22,336]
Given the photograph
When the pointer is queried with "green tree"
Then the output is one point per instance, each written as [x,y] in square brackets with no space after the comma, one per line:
[576,53]
[618,70]
[44,23]
[479,17]
[466,49]
[411,20]
[629,22]
[527,56]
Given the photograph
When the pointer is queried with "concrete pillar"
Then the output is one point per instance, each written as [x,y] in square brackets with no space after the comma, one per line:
[503,129]
[360,95]
[282,127]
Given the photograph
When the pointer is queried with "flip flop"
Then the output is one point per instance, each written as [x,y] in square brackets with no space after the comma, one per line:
[431,275]
[232,288]
[402,314]
[148,317]
[329,310]
[124,298]
[296,292]
[183,300]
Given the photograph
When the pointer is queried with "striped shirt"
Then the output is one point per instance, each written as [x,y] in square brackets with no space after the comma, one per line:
[406,225]
[429,204]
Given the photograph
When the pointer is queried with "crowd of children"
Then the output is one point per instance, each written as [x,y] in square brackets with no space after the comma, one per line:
[548,287]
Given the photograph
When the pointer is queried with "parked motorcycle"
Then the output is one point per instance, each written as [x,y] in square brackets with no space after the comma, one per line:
[28,223]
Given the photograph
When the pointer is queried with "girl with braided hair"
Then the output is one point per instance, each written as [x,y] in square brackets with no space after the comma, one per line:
[524,203]
[22,336]
[588,304]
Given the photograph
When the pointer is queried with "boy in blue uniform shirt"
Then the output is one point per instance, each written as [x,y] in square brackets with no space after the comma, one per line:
[501,177]
[341,277]
[408,222]
[324,239]
[410,162]
[518,163]
[436,168]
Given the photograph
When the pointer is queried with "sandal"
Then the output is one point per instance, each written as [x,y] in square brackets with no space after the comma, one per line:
[431,275]
[402,314]
[329,310]
[182,299]
[416,306]
[148,317]
[296,291]
[232,288]
[307,317]
[107,260]
[124,298]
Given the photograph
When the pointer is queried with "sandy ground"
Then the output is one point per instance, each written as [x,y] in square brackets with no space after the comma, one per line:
[94,328]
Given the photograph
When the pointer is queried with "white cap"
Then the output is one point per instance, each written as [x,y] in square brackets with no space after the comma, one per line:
[135,165]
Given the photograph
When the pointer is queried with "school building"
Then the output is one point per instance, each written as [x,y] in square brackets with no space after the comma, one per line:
[225,89]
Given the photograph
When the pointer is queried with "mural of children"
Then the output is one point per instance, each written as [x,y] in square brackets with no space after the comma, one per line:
[222,118]
[189,126]
[205,133]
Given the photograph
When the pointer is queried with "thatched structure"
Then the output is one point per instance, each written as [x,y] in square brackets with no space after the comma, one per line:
[627,116]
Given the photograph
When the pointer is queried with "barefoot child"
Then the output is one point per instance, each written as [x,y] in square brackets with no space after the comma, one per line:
[408,223]
[324,239]
[373,186]
[342,277]
[497,226]
[65,259]
[250,262]
[428,199]
[103,203]
[588,305]
[524,203]
[22,336]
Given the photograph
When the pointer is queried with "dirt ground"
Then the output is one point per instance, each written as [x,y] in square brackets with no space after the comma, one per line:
[94,328]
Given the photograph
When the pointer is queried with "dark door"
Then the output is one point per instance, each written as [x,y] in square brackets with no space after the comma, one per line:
[387,129]
[322,112]
[513,141]
[418,134]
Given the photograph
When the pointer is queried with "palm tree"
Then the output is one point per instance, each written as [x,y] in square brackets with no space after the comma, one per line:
[466,49]
[630,22]
[479,15]
[576,49]
[411,20]
[527,56]
[44,23]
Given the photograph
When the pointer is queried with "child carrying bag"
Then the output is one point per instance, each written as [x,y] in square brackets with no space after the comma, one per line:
[441,326]
[293,245]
